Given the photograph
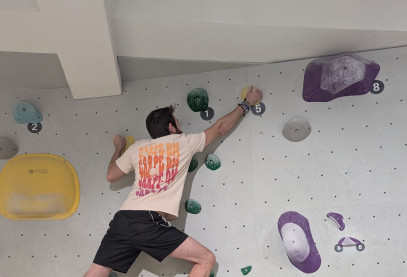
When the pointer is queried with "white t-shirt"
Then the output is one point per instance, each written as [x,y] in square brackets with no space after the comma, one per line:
[161,166]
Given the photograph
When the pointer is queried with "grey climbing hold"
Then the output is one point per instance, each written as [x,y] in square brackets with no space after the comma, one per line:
[296,129]
[198,99]
[212,162]
[24,112]
[193,164]
[246,270]
[7,149]
[192,206]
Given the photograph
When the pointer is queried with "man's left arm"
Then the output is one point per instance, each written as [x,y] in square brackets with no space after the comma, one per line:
[114,173]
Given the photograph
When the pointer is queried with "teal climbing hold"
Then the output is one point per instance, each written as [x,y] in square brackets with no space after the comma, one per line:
[246,270]
[198,100]
[212,274]
[212,162]
[193,164]
[112,274]
[24,112]
[192,206]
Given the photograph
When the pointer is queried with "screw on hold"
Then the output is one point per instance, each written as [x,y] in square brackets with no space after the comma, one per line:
[192,206]
[212,162]
[193,164]
[246,270]
[198,100]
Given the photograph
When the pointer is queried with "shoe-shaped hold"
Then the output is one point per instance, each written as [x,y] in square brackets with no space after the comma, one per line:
[298,243]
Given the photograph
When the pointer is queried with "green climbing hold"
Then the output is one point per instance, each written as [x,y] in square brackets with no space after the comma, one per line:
[212,162]
[112,274]
[212,274]
[246,270]
[198,99]
[193,164]
[192,206]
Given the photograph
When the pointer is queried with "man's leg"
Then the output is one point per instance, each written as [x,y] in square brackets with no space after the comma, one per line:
[191,250]
[96,270]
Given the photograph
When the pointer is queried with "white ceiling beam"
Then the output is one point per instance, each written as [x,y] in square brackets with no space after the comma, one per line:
[332,14]
[241,43]
[78,32]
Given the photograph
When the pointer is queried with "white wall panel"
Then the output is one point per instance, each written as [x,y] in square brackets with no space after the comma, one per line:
[354,162]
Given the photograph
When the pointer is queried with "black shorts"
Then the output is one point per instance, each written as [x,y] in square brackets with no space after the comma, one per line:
[130,233]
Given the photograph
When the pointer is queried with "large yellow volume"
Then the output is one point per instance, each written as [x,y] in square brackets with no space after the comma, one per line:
[38,186]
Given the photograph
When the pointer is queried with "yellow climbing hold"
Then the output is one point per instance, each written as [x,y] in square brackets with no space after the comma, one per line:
[244,92]
[129,141]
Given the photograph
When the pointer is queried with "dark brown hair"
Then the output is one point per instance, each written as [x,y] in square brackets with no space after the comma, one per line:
[158,120]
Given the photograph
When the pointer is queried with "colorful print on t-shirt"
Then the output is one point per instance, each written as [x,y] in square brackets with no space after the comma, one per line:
[158,166]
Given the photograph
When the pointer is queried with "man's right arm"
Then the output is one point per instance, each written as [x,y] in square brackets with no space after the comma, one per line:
[227,122]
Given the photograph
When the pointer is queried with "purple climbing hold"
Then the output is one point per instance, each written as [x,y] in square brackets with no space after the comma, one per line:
[331,77]
[298,242]
[348,241]
[338,219]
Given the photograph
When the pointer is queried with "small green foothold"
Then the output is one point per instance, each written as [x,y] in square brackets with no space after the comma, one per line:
[246,270]
[192,206]
[194,164]
[212,274]
[112,274]
[198,100]
[212,162]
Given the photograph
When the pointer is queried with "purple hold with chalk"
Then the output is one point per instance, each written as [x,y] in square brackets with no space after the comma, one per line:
[328,78]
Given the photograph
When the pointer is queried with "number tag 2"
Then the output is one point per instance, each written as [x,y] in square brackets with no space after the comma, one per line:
[34,127]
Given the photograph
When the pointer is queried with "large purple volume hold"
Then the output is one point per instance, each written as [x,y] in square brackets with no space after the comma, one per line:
[331,77]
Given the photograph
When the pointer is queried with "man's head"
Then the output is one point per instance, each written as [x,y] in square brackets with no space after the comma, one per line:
[162,122]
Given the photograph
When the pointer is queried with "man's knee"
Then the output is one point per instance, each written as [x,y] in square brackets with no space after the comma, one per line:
[210,258]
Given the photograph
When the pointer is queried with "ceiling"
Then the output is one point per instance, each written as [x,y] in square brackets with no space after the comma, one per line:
[93,46]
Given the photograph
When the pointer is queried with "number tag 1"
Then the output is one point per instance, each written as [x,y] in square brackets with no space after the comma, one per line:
[208,114]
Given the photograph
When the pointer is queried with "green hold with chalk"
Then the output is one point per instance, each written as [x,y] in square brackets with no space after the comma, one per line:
[193,164]
[192,206]
[212,162]
[246,270]
[198,100]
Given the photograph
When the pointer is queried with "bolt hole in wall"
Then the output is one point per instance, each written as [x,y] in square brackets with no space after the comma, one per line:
[352,162]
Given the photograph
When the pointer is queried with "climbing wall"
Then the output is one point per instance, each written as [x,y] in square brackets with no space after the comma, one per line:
[354,163]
